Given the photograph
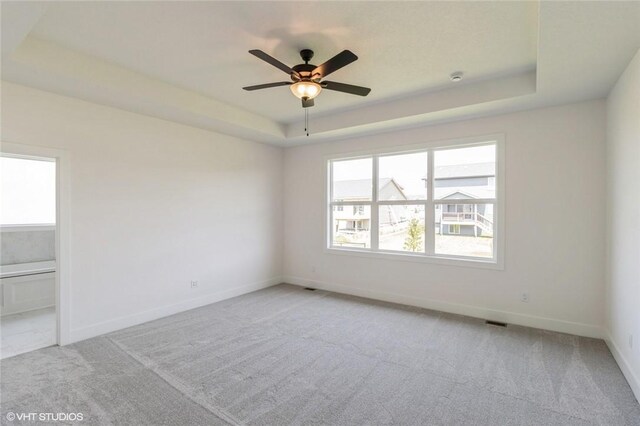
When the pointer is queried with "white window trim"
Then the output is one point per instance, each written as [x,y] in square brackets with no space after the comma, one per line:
[497,262]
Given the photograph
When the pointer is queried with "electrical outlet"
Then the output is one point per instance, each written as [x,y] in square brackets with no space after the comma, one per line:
[194,284]
[631,341]
[524,298]
[313,269]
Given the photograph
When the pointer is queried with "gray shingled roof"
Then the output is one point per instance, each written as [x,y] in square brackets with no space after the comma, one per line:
[357,188]
[465,170]
[361,188]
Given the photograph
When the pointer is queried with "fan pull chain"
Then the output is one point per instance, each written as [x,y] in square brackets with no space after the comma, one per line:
[306,121]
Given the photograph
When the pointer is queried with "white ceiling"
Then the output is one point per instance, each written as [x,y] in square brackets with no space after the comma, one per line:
[203,46]
[187,61]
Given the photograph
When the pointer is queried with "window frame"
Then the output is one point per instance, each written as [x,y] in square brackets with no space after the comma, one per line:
[429,256]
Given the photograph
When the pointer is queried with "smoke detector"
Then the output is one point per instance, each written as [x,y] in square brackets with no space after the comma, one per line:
[456,76]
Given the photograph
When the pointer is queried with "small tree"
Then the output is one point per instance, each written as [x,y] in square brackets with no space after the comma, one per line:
[341,239]
[413,242]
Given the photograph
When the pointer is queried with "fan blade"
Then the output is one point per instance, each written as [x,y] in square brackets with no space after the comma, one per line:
[273,61]
[342,59]
[266,86]
[346,88]
[306,103]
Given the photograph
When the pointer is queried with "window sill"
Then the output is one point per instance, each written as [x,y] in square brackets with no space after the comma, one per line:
[28,228]
[406,257]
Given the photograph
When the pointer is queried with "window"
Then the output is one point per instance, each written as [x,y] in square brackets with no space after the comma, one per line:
[27,191]
[431,202]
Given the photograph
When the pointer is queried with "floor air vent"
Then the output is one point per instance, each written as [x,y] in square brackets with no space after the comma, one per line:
[310,289]
[496,323]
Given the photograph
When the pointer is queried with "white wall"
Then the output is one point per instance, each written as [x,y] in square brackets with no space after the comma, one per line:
[153,206]
[623,221]
[555,239]
[156,204]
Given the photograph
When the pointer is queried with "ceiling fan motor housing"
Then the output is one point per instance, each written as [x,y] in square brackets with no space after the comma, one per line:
[304,72]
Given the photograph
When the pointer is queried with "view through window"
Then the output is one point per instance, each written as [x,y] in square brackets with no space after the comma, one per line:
[431,202]
[27,191]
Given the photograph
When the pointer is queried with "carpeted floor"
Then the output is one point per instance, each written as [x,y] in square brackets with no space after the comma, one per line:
[286,355]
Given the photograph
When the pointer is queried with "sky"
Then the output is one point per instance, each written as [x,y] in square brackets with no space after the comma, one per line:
[27,191]
[409,169]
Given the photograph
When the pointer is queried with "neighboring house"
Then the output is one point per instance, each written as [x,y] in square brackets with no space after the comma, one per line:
[460,182]
[352,219]
[456,183]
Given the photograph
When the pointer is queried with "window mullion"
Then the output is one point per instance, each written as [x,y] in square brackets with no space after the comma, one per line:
[429,211]
[350,203]
[374,205]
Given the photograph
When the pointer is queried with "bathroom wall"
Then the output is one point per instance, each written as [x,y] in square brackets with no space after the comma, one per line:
[24,246]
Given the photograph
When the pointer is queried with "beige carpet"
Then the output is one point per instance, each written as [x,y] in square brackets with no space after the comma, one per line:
[285,355]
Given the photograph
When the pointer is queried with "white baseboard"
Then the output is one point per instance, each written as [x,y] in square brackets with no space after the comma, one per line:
[579,329]
[120,323]
[625,366]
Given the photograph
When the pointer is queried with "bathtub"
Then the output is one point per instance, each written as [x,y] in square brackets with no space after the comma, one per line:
[27,286]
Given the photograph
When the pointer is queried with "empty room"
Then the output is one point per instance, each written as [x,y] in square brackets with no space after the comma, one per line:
[320,212]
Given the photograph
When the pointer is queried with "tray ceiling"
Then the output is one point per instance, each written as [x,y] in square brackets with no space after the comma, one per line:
[187,61]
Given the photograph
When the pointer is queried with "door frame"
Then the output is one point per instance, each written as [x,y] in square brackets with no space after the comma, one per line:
[62,277]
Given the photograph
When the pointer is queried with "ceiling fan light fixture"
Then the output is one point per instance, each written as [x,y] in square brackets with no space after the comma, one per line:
[306,89]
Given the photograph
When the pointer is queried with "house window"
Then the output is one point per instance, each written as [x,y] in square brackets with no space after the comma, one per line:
[432,202]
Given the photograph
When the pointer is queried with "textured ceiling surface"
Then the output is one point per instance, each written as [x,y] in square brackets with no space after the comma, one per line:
[188,61]
[402,47]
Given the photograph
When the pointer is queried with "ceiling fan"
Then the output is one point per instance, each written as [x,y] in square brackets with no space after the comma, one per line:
[307,79]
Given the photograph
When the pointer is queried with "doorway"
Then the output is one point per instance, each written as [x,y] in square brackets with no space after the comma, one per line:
[28,255]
